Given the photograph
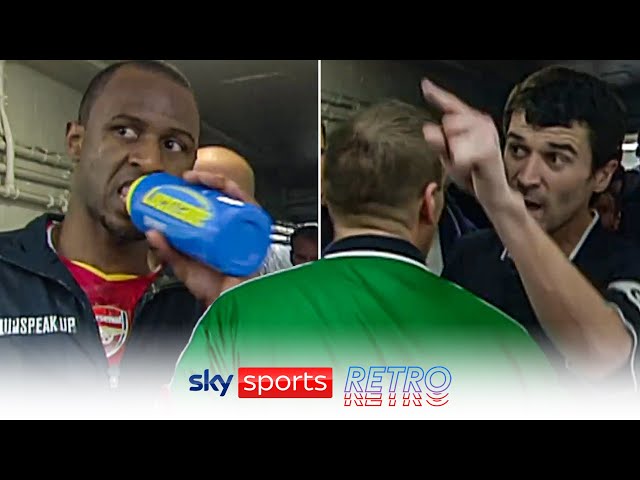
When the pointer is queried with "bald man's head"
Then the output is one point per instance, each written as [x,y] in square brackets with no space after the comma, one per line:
[228,163]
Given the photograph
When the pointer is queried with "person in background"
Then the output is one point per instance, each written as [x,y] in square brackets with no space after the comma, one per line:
[278,258]
[468,206]
[304,245]
[221,160]
[608,204]
[630,203]
[228,162]
[453,225]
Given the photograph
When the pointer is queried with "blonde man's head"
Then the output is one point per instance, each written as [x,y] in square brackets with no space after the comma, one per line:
[378,167]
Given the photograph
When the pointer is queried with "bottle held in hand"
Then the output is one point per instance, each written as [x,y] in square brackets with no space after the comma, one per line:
[225,233]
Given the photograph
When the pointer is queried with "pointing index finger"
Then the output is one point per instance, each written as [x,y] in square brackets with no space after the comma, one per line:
[446,101]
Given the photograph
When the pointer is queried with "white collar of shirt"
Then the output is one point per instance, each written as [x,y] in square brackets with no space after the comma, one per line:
[585,235]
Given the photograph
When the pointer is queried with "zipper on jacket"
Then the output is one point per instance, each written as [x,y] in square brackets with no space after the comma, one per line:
[152,292]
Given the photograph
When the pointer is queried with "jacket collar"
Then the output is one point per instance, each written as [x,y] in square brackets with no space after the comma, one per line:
[376,246]
[29,248]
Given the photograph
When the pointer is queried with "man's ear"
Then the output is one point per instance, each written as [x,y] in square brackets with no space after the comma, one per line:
[431,203]
[75,136]
[603,175]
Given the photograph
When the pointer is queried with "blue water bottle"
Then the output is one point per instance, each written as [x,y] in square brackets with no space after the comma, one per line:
[229,235]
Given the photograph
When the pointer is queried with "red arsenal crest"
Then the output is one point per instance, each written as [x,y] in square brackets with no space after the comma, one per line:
[113,324]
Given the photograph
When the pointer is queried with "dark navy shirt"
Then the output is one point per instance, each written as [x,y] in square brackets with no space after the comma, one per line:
[611,263]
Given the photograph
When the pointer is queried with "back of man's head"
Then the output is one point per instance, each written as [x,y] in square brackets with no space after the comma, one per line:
[377,165]
[559,96]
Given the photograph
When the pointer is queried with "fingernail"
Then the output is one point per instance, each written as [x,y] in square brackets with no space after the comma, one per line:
[426,83]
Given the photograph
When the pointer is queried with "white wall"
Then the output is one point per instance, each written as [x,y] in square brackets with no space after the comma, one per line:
[38,108]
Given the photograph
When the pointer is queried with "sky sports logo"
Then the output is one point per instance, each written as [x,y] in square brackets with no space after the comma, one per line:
[266,382]
[374,386]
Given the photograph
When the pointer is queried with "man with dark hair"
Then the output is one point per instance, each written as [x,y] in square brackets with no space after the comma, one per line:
[364,302]
[304,245]
[549,263]
[83,305]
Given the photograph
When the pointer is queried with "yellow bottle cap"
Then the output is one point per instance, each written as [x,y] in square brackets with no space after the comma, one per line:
[132,188]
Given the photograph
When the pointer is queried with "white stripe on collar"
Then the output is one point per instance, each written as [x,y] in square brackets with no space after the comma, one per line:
[585,235]
[50,236]
[373,253]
